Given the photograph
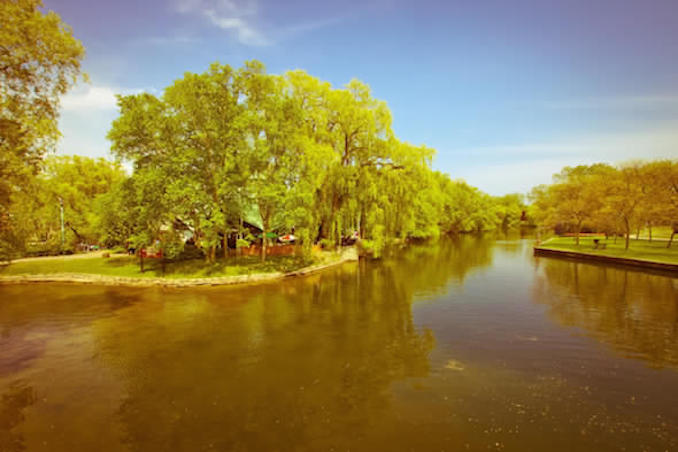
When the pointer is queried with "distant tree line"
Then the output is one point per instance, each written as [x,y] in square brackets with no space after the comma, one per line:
[616,201]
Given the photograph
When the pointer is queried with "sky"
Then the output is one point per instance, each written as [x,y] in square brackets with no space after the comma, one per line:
[506,91]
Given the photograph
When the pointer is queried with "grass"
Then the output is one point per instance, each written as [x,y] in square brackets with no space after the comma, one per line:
[129,266]
[654,251]
[661,232]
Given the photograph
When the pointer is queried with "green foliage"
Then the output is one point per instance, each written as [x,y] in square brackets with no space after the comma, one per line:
[614,201]
[242,243]
[228,145]
[376,245]
[301,154]
[39,62]
[81,186]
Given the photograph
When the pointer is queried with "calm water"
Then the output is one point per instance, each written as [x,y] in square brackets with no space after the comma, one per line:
[472,344]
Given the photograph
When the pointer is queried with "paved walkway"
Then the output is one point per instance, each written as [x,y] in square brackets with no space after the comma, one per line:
[346,255]
[63,257]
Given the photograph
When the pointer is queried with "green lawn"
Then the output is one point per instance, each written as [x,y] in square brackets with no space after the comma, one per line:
[654,251]
[129,266]
[658,232]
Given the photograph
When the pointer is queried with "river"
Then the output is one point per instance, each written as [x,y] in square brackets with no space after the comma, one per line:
[467,344]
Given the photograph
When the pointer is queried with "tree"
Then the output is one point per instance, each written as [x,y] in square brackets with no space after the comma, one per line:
[664,192]
[297,152]
[194,137]
[576,194]
[273,118]
[575,198]
[611,200]
[77,182]
[359,130]
[39,62]
[72,184]
[626,194]
[114,214]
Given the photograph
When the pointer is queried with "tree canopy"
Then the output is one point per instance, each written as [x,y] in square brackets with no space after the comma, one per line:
[614,200]
[39,61]
[305,156]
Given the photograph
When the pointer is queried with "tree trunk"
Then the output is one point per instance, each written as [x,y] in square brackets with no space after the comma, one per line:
[628,234]
[668,245]
[224,245]
[577,232]
[649,231]
[263,241]
[361,223]
[141,260]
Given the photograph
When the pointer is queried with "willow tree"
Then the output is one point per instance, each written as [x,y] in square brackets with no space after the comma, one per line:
[273,135]
[39,62]
[305,209]
[359,128]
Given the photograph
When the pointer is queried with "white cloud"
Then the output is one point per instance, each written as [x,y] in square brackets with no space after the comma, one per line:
[86,97]
[89,98]
[237,16]
[86,115]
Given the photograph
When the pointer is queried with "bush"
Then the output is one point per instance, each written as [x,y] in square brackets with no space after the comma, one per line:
[378,242]
[189,252]
[326,244]
[372,248]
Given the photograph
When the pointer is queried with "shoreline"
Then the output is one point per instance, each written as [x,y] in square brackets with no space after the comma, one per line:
[346,255]
[621,261]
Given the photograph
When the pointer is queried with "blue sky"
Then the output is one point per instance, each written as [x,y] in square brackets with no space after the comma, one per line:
[507,92]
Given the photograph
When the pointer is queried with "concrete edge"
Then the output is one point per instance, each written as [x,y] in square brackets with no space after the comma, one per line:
[348,255]
[638,263]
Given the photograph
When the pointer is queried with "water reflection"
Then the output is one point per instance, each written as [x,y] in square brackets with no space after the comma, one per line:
[634,312]
[348,359]
[431,268]
[262,369]
[12,405]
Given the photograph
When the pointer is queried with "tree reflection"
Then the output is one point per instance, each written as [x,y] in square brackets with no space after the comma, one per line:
[431,267]
[635,312]
[308,361]
[12,405]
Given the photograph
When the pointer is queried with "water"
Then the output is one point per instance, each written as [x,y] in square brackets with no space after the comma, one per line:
[472,344]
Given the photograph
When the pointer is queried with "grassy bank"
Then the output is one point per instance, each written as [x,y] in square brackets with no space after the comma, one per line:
[654,251]
[128,266]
